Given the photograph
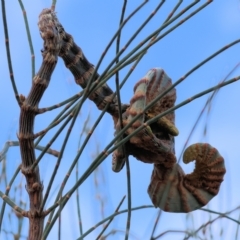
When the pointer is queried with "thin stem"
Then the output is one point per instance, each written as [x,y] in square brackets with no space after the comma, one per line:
[139,57]
[6,193]
[111,217]
[118,66]
[201,113]
[156,223]
[171,231]
[79,154]
[29,37]
[8,52]
[77,158]
[223,214]
[52,125]
[57,163]
[84,130]
[128,223]
[55,122]
[16,143]
[110,220]
[78,208]
[173,28]
[112,40]
[71,100]
[124,48]
[124,61]
[15,207]
[237,230]
[50,143]
[121,126]
[75,114]
[117,60]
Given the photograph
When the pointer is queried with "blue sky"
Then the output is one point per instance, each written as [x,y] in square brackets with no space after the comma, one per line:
[92,24]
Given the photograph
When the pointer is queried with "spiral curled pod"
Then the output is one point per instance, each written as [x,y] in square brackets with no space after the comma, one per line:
[173,191]
[156,138]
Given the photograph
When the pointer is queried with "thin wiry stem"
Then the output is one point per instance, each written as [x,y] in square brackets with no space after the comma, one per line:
[16,143]
[110,217]
[79,209]
[127,60]
[174,10]
[84,130]
[202,111]
[43,132]
[57,163]
[115,231]
[56,121]
[128,223]
[111,42]
[59,222]
[225,215]
[6,193]
[75,114]
[140,56]
[72,116]
[103,78]
[110,220]
[16,208]
[29,37]
[76,160]
[124,61]
[237,230]
[8,52]
[123,50]
[3,174]
[50,143]
[221,215]
[117,73]
[71,100]
[121,126]
[156,223]
[49,223]
[170,231]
